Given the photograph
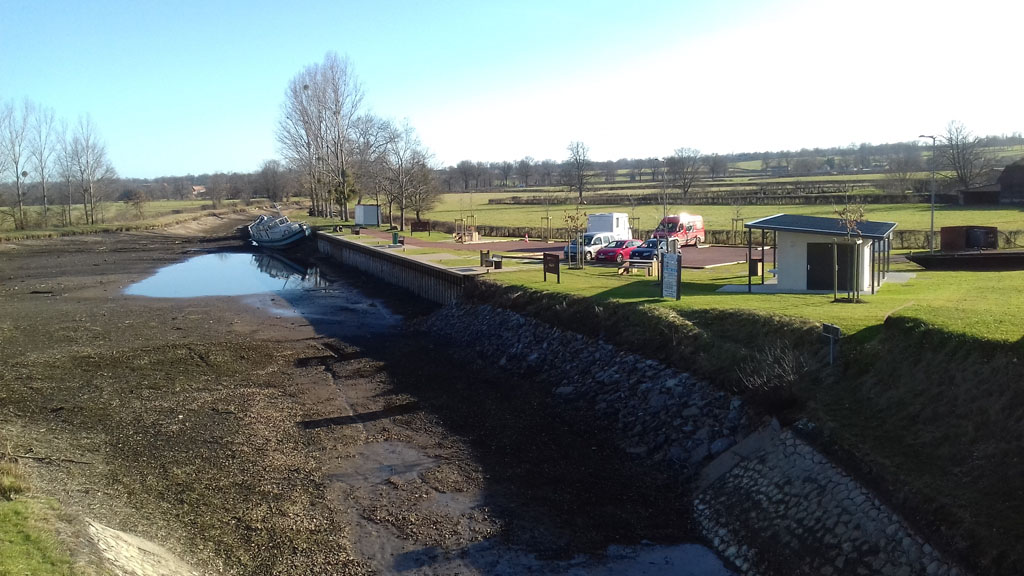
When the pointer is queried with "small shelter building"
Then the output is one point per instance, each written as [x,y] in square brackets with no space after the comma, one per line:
[1011,182]
[987,194]
[817,253]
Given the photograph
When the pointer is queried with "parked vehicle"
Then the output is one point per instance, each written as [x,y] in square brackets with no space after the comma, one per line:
[617,251]
[615,222]
[648,250]
[686,228]
[591,244]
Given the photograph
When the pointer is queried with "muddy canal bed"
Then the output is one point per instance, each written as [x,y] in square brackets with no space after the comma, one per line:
[299,431]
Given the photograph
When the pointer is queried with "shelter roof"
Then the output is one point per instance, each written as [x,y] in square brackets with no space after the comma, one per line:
[823,226]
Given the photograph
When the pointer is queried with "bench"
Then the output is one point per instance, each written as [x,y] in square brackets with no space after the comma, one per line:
[648,266]
[420,227]
[493,261]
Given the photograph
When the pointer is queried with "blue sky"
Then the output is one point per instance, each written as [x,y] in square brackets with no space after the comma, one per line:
[193,87]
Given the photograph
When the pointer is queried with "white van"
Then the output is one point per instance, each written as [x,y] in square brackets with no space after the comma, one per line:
[615,223]
[592,242]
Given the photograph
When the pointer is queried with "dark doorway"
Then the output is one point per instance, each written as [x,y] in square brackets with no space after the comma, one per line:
[819,266]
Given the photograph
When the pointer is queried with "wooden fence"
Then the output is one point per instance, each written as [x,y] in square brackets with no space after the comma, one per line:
[422,279]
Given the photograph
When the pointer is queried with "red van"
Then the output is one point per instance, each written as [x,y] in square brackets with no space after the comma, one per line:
[688,228]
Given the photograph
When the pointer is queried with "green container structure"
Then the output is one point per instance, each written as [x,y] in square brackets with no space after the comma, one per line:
[394,237]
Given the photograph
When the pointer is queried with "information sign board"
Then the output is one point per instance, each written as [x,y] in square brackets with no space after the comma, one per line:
[671,275]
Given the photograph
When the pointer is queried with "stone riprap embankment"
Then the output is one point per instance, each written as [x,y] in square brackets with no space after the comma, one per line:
[659,413]
[765,499]
[785,508]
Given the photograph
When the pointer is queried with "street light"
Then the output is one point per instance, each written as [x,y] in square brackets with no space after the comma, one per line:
[931,185]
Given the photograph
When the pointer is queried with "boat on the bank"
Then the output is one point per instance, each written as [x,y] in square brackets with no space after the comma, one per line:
[270,232]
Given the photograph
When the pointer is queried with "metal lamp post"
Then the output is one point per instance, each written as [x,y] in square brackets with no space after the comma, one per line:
[931,185]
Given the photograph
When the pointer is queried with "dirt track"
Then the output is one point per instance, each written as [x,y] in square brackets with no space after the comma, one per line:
[246,440]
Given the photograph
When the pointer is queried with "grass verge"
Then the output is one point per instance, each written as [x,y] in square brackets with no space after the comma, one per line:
[27,543]
[935,421]
[929,417]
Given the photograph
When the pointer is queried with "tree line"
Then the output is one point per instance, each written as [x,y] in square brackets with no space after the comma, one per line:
[62,163]
[339,154]
[969,158]
[342,154]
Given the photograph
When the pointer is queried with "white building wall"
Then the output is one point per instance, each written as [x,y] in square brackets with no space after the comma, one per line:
[791,259]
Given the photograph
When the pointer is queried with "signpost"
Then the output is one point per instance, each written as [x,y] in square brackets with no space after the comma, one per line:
[671,275]
[551,265]
[833,333]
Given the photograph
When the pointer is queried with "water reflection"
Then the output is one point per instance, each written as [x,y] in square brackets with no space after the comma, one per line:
[228,275]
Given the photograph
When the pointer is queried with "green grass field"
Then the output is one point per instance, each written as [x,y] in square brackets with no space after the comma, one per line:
[973,303]
[27,544]
[907,216]
[115,212]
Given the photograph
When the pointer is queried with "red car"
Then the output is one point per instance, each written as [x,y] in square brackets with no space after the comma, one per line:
[617,251]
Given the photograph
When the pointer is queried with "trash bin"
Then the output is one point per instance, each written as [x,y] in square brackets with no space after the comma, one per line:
[485,257]
[496,259]
[756,265]
[394,237]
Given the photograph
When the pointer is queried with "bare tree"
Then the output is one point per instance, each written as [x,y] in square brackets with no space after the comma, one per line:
[137,199]
[525,170]
[484,175]
[14,132]
[962,153]
[805,164]
[271,180]
[424,192]
[218,187]
[901,165]
[66,170]
[91,167]
[447,176]
[6,213]
[6,110]
[638,170]
[506,168]
[42,150]
[547,170]
[404,164]
[682,169]
[467,172]
[716,165]
[371,139]
[864,159]
[315,130]
[654,165]
[578,170]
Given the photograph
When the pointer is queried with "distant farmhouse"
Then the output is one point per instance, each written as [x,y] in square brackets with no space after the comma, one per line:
[1008,187]
[198,191]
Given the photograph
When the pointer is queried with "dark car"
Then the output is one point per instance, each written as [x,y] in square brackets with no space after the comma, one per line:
[648,250]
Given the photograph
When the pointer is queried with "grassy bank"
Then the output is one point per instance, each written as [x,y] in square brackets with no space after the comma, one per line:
[117,219]
[934,420]
[929,416]
[27,544]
